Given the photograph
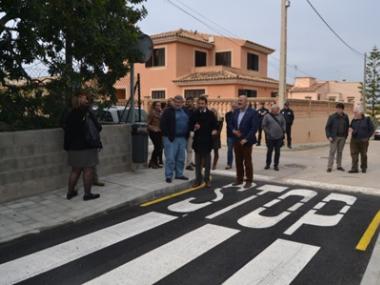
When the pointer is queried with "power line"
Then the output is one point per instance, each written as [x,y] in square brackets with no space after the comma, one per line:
[220,27]
[332,30]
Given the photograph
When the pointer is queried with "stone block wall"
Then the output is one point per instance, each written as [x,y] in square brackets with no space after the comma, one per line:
[34,161]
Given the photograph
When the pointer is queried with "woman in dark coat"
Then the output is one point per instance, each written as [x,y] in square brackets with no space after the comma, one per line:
[204,125]
[217,141]
[155,135]
[82,142]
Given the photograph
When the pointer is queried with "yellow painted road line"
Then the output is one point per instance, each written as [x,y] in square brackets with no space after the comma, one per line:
[369,233]
[171,196]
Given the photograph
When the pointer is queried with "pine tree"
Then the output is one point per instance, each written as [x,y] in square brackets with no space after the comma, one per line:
[372,82]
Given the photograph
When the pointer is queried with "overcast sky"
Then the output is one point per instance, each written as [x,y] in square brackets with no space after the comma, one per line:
[311,46]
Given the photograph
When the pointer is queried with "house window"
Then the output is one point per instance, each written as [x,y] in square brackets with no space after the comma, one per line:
[158,94]
[157,58]
[253,62]
[350,99]
[250,93]
[332,99]
[200,58]
[223,58]
[194,93]
[273,94]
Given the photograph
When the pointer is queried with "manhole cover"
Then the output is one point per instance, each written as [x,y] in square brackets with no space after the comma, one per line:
[294,165]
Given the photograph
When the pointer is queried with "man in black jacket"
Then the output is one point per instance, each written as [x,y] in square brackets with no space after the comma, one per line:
[262,111]
[203,123]
[289,118]
[174,125]
[336,132]
[230,136]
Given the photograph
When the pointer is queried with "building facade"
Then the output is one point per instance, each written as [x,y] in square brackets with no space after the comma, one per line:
[336,91]
[191,64]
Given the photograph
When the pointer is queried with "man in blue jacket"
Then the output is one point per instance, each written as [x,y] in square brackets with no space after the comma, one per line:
[245,123]
[174,125]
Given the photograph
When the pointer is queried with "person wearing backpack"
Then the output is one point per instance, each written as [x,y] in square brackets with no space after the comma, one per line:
[274,126]
[82,142]
[362,130]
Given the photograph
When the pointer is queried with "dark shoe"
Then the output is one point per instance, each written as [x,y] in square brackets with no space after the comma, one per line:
[289,146]
[190,168]
[196,185]
[341,169]
[237,183]
[258,144]
[168,180]
[71,195]
[276,168]
[193,164]
[90,196]
[228,167]
[364,170]
[182,178]
[266,167]
[98,183]
[329,169]
[248,185]
[353,171]
[207,184]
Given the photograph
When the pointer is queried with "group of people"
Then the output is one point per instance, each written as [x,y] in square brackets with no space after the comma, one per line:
[338,128]
[185,130]
[187,134]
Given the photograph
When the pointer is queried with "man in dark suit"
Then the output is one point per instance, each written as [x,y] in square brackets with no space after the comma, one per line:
[288,114]
[245,125]
[204,124]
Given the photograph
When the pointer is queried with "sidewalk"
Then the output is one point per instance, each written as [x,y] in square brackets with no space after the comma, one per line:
[33,214]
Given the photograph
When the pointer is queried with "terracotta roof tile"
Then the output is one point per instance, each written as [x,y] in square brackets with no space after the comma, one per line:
[223,73]
[312,88]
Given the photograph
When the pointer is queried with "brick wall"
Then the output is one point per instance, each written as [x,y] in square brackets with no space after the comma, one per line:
[34,161]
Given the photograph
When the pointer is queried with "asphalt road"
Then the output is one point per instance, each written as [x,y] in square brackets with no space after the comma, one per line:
[269,234]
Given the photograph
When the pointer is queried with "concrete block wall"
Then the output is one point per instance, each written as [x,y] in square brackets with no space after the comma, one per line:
[34,161]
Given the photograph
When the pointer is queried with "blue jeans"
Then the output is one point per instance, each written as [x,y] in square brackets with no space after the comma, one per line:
[230,150]
[175,153]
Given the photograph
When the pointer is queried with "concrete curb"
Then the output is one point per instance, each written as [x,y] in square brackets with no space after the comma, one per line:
[307,183]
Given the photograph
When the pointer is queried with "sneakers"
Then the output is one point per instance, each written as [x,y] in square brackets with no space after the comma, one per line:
[90,196]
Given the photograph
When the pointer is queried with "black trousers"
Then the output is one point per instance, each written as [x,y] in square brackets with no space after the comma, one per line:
[202,160]
[156,138]
[276,146]
[289,134]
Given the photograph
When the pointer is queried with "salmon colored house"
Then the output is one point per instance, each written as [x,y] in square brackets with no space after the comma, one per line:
[191,64]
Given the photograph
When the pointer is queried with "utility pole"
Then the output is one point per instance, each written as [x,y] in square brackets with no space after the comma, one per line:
[285,4]
[364,98]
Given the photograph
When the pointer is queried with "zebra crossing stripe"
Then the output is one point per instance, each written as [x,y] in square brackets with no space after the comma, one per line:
[39,262]
[164,260]
[278,264]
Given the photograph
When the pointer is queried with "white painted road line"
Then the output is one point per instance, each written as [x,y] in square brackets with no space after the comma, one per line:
[164,260]
[233,206]
[36,263]
[278,264]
